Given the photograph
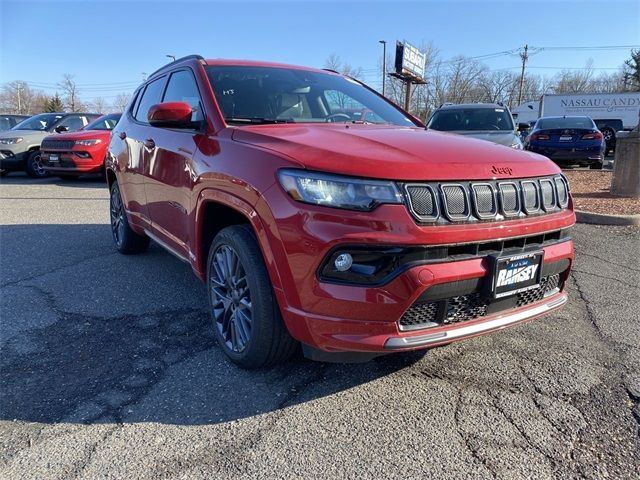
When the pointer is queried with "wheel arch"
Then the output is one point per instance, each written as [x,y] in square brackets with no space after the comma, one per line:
[216,210]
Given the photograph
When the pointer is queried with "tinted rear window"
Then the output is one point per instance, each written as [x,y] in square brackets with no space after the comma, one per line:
[568,122]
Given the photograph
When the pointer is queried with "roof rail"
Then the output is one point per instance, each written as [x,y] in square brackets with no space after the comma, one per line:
[331,70]
[188,57]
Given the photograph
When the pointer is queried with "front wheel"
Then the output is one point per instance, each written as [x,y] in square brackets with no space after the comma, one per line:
[127,241]
[34,167]
[246,317]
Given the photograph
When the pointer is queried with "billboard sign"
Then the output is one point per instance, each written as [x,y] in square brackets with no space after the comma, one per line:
[410,61]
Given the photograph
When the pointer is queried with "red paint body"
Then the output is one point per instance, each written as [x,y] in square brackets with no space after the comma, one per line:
[167,188]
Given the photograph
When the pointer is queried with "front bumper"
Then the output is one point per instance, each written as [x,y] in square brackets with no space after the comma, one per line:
[69,162]
[587,155]
[343,317]
[10,160]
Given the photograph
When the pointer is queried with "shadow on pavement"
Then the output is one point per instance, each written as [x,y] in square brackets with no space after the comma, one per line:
[84,181]
[91,336]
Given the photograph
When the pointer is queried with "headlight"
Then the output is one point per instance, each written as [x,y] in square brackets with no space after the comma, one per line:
[88,143]
[10,141]
[336,191]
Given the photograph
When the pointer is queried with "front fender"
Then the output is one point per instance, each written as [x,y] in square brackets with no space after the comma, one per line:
[197,256]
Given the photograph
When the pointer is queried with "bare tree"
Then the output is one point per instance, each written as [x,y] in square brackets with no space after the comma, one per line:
[121,101]
[71,93]
[99,105]
[17,97]
[334,62]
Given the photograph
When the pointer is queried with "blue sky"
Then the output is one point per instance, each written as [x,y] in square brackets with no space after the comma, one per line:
[108,44]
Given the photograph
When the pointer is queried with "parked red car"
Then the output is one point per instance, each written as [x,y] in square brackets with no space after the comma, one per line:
[353,238]
[69,155]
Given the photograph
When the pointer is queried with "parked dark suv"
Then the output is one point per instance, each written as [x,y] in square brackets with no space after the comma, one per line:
[20,146]
[355,236]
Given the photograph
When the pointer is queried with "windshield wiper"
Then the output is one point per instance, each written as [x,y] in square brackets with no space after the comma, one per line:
[257,120]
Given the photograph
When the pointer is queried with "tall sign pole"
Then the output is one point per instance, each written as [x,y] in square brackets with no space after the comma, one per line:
[384,64]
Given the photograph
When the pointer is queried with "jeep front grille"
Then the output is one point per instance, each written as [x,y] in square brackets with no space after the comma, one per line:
[57,144]
[486,200]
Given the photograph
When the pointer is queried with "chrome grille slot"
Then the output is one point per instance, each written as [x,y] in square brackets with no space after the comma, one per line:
[561,192]
[455,201]
[422,201]
[548,194]
[509,199]
[484,200]
[530,196]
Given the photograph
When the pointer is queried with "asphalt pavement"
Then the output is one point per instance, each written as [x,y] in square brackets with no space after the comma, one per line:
[109,369]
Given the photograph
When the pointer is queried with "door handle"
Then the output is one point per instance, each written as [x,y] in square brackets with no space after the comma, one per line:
[149,143]
[122,135]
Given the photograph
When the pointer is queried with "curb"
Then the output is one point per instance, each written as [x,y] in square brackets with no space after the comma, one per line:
[605,219]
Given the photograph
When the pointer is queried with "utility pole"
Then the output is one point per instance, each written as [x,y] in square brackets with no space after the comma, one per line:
[407,95]
[524,56]
[384,64]
[19,88]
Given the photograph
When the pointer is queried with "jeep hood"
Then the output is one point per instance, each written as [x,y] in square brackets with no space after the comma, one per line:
[29,136]
[103,135]
[398,153]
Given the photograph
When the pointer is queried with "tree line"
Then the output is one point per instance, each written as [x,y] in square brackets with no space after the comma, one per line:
[18,97]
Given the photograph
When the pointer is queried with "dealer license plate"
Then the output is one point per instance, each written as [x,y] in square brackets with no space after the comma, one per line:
[566,138]
[516,273]
[53,158]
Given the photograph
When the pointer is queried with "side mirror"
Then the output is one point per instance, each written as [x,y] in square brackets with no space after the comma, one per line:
[61,128]
[523,127]
[171,115]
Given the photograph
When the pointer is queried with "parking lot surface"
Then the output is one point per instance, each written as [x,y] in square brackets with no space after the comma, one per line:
[109,369]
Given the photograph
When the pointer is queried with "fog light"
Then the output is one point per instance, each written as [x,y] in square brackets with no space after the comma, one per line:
[343,262]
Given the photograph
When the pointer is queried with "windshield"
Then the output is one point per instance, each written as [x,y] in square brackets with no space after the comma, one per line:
[285,95]
[41,122]
[566,122]
[452,119]
[106,122]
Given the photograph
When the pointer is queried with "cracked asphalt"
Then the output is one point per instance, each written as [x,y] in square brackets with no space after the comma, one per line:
[109,369]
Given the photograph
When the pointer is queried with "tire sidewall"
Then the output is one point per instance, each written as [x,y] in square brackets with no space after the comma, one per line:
[30,168]
[243,242]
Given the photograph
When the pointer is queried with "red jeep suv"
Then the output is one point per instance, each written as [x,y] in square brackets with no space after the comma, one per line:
[353,237]
[71,154]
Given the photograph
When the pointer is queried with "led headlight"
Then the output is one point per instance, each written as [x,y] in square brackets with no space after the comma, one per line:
[10,141]
[337,191]
[88,143]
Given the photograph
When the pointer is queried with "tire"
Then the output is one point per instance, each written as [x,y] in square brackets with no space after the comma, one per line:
[34,166]
[246,318]
[127,241]
[595,166]
[68,177]
[4,173]
[609,138]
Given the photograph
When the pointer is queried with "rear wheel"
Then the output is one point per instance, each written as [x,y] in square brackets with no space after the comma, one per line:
[596,166]
[246,317]
[34,167]
[127,241]
[609,138]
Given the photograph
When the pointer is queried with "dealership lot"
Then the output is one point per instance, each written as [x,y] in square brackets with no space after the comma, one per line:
[109,370]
